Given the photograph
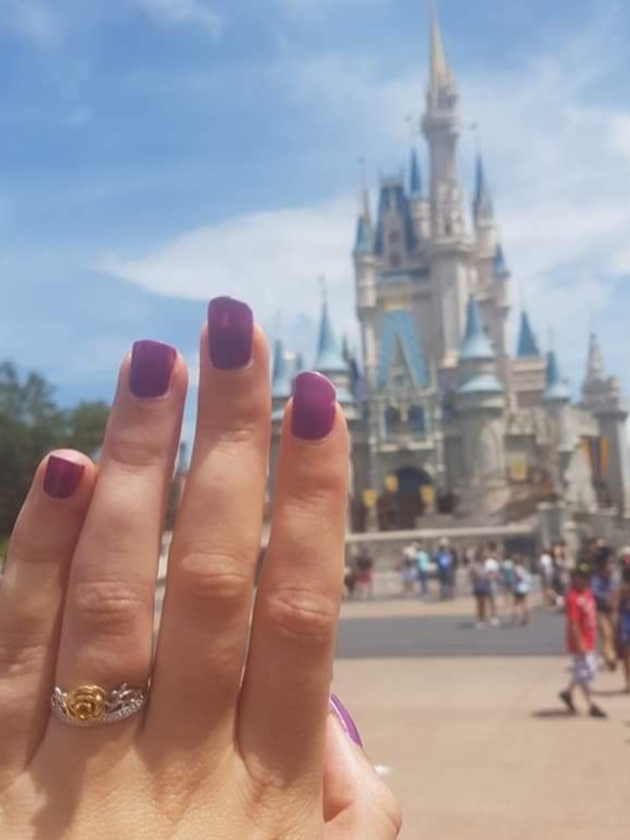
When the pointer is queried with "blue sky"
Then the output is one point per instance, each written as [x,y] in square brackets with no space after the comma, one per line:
[156,153]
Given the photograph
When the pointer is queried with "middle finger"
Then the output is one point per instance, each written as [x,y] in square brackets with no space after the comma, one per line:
[216,542]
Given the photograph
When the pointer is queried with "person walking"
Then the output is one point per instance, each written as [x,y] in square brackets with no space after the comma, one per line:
[621,603]
[521,589]
[603,586]
[545,569]
[423,563]
[581,630]
[444,562]
[409,571]
[480,588]
[492,571]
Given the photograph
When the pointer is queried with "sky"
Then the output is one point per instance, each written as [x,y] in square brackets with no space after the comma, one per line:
[156,153]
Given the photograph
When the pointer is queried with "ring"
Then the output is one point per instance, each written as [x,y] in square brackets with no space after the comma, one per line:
[91,705]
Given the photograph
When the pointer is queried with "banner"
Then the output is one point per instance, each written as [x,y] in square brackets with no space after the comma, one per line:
[517,468]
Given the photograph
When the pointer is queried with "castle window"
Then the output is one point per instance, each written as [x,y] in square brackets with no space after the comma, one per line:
[392,420]
[394,237]
[417,421]
[395,260]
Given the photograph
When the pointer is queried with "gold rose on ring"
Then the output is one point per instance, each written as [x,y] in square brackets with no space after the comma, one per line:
[85,703]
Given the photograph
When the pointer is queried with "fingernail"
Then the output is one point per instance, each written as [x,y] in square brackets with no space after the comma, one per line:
[230,333]
[345,719]
[62,477]
[151,367]
[314,404]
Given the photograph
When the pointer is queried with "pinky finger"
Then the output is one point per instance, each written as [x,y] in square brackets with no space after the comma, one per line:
[31,598]
[358,805]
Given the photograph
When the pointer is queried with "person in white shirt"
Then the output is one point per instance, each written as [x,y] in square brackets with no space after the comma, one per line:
[492,571]
[545,566]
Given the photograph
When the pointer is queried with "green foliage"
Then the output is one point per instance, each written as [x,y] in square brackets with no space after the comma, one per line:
[31,424]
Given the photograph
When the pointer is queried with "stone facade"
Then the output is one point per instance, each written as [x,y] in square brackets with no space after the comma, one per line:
[443,417]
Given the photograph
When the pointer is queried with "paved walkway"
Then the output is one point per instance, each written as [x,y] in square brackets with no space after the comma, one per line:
[480,750]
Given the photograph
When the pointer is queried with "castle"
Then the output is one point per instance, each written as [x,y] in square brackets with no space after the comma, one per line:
[443,417]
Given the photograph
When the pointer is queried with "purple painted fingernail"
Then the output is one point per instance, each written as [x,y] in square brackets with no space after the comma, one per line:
[151,367]
[345,719]
[62,477]
[230,333]
[314,404]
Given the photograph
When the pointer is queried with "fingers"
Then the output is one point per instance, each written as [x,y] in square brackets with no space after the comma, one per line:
[284,702]
[357,802]
[107,624]
[31,599]
[216,543]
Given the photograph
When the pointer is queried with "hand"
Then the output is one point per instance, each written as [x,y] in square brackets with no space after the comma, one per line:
[236,741]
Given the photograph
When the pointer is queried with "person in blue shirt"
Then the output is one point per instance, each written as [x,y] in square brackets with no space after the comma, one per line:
[444,562]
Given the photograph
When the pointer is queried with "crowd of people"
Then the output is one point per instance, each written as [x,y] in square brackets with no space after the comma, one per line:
[592,589]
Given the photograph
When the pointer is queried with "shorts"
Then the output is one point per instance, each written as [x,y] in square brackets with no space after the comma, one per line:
[584,668]
[520,597]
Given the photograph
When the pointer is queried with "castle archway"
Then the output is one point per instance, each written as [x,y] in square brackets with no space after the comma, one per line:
[401,507]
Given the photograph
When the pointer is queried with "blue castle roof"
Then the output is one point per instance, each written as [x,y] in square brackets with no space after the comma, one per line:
[475,344]
[556,390]
[398,329]
[364,242]
[527,347]
[329,353]
[487,383]
[483,200]
[393,195]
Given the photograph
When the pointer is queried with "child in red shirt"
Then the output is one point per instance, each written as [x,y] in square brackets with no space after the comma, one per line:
[581,623]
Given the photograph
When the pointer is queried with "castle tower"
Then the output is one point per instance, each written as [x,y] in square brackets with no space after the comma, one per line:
[603,397]
[527,367]
[557,399]
[365,287]
[492,272]
[481,406]
[331,362]
[449,251]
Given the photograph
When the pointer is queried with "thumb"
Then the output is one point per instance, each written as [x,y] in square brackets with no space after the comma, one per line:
[358,805]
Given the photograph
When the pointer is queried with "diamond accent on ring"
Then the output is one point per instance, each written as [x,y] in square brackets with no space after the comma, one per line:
[91,705]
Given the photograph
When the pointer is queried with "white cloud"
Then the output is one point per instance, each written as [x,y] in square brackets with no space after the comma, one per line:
[31,19]
[271,259]
[558,160]
[183,12]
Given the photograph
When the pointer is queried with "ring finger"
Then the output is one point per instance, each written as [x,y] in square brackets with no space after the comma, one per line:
[106,632]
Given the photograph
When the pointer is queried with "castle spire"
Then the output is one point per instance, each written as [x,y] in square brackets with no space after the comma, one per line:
[415,181]
[595,361]
[440,76]
[482,206]
[556,390]
[527,347]
[329,354]
[475,344]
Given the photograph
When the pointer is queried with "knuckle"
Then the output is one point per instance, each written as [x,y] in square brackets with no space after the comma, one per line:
[103,607]
[219,579]
[303,615]
[19,655]
[133,452]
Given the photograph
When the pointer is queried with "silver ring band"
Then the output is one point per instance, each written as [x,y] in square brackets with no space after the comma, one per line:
[91,705]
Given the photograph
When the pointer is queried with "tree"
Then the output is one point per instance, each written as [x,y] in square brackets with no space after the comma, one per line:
[31,424]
